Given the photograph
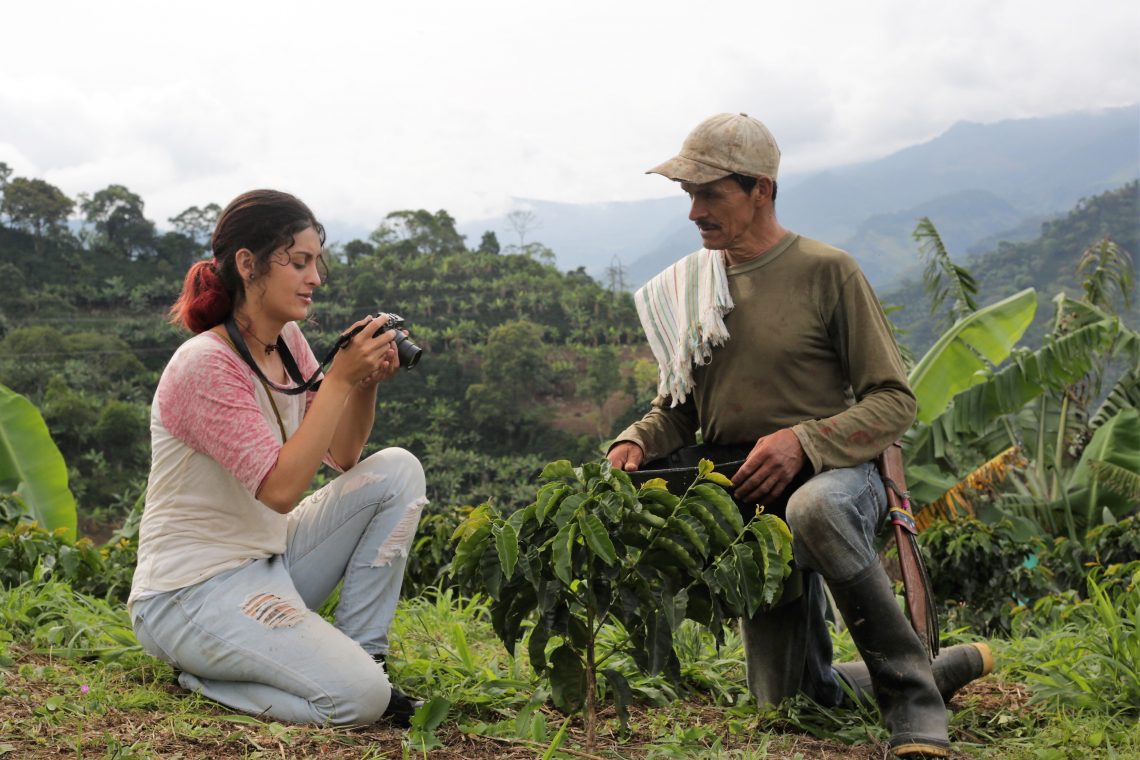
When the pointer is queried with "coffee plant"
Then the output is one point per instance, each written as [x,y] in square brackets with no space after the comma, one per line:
[594,550]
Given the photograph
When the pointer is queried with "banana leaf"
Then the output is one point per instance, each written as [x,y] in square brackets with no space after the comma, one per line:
[31,465]
[1109,468]
[967,350]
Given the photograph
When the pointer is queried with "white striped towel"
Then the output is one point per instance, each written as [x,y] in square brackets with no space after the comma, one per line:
[682,311]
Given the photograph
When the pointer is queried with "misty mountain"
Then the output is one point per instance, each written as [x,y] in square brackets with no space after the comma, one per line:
[977,182]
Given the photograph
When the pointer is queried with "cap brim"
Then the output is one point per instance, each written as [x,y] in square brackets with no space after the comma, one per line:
[683,169]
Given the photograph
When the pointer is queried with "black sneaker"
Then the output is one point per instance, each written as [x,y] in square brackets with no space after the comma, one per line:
[401,708]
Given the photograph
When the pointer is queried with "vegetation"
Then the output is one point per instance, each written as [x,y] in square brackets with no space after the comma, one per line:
[519,596]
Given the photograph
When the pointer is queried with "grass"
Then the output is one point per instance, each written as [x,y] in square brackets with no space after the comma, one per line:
[74,685]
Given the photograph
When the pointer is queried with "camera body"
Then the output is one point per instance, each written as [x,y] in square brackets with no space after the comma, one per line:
[408,351]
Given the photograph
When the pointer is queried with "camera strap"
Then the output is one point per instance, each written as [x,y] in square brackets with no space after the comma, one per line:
[291,368]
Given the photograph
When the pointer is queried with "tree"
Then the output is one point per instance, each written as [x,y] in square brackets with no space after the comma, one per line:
[489,243]
[197,223]
[5,173]
[515,373]
[356,250]
[523,222]
[943,278]
[418,232]
[117,214]
[37,207]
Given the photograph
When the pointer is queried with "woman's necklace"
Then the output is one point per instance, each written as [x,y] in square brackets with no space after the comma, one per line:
[269,347]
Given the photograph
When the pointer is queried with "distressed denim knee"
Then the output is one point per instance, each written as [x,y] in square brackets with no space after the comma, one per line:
[834,518]
[408,488]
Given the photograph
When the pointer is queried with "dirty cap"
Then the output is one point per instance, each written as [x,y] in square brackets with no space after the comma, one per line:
[728,143]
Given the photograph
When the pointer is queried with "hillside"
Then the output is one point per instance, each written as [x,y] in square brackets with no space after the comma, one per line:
[1047,263]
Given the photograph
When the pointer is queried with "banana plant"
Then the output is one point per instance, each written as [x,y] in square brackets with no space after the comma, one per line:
[1029,403]
[594,551]
[32,466]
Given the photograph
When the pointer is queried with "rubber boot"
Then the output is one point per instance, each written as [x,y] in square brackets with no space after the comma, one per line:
[401,707]
[900,672]
[953,668]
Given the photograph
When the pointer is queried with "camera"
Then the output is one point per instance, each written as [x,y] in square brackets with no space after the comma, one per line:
[408,351]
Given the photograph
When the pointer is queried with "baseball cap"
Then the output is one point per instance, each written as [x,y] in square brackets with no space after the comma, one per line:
[728,143]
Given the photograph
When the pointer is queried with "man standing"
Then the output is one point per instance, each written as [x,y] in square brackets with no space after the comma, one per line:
[790,353]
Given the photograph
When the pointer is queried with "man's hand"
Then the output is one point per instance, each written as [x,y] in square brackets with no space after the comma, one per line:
[627,456]
[769,468]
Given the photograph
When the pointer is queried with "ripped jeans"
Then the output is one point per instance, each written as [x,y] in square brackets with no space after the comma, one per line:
[249,638]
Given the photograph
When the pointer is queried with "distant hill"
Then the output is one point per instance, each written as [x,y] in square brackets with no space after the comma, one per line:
[1048,263]
[977,180]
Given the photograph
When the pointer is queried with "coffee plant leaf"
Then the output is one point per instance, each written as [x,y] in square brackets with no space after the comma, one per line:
[597,538]
[507,547]
[719,478]
[567,679]
[623,695]
[559,470]
[549,497]
[562,552]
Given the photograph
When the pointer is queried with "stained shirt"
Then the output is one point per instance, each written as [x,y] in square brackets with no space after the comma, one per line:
[809,349]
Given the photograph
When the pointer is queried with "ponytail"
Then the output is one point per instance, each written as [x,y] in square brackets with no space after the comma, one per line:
[204,301]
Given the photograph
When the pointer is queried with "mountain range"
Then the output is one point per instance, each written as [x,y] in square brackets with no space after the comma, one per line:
[978,182]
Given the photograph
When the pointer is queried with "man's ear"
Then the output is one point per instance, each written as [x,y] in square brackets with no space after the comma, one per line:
[763,189]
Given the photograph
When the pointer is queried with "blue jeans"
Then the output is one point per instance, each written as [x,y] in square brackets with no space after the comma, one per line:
[834,518]
[249,637]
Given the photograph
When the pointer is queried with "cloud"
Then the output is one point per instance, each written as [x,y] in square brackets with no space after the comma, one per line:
[363,109]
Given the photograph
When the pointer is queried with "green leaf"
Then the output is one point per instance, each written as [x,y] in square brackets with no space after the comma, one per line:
[597,538]
[569,507]
[655,484]
[536,647]
[623,695]
[612,505]
[431,714]
[725,510]
[658,641]
[507,545]
[747,577]
[549,497]
[567,679]
[1109,459]
[31,465]
[719,478]
[704,467]
[562,552]
[954,362]
[561,469]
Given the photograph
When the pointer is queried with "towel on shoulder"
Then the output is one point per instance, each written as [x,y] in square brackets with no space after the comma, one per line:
[682,311]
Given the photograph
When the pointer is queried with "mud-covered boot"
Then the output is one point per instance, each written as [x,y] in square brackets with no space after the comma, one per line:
[953,668]
[901,678]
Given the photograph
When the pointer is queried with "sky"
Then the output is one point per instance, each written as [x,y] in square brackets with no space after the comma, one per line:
[365,108]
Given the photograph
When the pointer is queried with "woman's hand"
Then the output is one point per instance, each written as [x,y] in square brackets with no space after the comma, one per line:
[367,358]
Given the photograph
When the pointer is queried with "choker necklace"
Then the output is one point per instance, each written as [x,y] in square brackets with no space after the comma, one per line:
[269,347]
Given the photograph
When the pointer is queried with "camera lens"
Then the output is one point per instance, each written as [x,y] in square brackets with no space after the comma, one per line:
[408,351]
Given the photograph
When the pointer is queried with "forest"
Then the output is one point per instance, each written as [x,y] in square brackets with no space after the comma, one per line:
[1024,468]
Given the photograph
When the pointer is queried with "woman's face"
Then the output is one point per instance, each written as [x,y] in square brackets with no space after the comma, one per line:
[285,292]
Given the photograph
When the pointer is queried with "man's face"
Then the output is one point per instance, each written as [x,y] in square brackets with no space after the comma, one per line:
[722,211]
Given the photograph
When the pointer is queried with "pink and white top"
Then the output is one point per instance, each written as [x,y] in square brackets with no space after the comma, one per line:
[214,440]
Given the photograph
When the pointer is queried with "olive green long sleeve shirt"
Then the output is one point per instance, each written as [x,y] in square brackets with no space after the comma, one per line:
[809,349]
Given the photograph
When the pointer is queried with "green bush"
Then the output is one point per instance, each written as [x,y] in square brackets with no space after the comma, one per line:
[30,553]
[982,572]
